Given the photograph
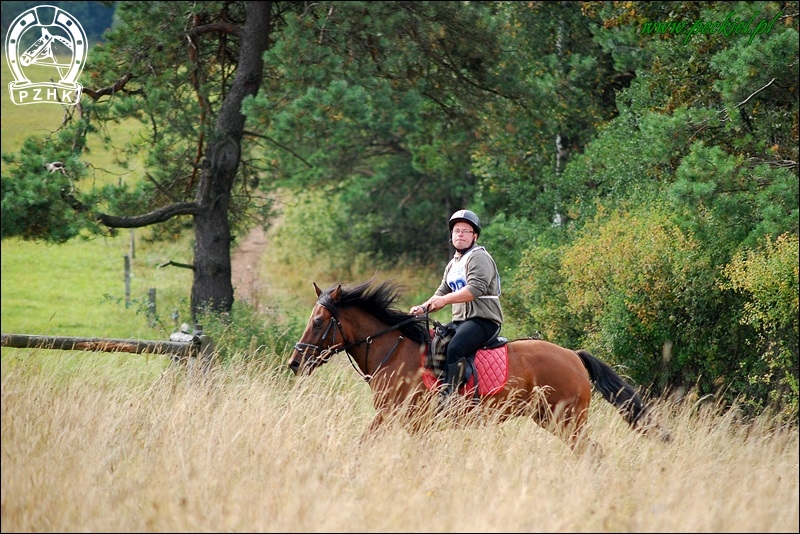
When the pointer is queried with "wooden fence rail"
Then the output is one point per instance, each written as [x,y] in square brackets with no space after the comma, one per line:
[193,347]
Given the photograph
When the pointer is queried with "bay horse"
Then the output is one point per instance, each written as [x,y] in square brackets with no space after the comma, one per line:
[550,383]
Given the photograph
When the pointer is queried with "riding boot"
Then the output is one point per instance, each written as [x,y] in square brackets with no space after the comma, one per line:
[453,378]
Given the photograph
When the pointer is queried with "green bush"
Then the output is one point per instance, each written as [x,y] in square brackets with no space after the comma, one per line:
[648,297]
[251,335]
[768,278]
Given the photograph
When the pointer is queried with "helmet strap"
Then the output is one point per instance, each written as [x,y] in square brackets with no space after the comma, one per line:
[462,251]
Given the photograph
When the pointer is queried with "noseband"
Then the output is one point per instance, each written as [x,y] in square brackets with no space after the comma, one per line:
[317,355]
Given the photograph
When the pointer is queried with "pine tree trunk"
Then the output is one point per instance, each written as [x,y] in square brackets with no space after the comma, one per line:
[212,289]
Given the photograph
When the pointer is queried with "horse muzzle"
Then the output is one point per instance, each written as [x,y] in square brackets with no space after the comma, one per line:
[298,359]
[305,359]
[294,365]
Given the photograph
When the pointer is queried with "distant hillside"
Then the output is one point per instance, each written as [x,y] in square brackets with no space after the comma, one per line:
[94,17]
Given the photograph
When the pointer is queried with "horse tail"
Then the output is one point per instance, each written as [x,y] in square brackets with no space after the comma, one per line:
[621,394]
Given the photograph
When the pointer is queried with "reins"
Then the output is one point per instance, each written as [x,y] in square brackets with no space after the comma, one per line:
[368,340]
[332,349]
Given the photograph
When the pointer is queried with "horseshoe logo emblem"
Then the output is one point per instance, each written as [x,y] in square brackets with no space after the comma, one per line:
[43,43]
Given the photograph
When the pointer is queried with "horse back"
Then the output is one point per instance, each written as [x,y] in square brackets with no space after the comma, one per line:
[536,363]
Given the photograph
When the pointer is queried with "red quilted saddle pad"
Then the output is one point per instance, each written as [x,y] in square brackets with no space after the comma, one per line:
[492,370]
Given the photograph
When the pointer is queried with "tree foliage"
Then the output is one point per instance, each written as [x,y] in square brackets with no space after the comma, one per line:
[705,144]
[381,100]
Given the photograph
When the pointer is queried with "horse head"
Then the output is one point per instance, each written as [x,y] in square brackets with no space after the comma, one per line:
[323,336]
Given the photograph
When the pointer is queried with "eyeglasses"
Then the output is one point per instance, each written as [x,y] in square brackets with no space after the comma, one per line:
[462,232]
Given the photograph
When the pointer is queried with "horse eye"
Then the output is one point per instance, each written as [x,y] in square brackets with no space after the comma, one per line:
[317,322]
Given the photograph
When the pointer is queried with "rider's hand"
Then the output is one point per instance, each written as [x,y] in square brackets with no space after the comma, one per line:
[417,310]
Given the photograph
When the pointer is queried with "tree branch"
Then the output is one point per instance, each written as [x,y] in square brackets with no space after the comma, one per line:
[136,221]
[176,264]
[279,145]
[743,102]
[118,86]
[161,188]
[218,27]
[156,216]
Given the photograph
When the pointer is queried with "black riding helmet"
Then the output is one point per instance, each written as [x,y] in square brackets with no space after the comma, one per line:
[467,217]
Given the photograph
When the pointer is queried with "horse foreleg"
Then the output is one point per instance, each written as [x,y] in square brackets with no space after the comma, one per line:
[374,428]
[578,439]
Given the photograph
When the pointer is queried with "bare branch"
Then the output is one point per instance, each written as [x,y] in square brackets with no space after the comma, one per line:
[136,221]
[743,102]
[56,166]
[156,216]
[280,145]
[160,187]
[218,27]
[118,86]
[176,264]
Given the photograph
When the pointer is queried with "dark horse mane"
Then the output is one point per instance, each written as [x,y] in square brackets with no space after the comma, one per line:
[377,300]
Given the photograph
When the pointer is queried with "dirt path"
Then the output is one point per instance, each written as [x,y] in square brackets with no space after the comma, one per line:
[245,264]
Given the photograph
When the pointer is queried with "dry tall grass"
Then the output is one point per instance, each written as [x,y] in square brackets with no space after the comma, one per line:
[104,443]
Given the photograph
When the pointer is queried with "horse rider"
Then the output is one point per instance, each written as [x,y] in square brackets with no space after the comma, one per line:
[471,284]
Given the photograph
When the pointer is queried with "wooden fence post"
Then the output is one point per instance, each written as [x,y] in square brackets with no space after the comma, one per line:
[127,281]
[151,306]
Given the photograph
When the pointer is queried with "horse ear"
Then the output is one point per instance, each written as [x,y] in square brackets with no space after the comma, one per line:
[336,293]
[317,289]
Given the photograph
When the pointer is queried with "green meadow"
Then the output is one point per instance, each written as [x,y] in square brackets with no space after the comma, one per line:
[42,120]
[78,288]
[20,122]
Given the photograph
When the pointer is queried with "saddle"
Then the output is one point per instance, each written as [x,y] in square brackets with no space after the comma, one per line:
[487,369]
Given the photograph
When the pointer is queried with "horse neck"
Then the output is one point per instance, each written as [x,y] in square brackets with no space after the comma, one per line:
[385,350]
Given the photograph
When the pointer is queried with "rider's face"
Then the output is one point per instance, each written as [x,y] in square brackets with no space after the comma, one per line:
[462,235]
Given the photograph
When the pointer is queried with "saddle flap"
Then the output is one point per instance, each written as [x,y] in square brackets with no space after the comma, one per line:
[491,372]
[491,366]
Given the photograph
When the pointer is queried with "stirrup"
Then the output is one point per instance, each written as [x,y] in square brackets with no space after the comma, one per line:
[445,402]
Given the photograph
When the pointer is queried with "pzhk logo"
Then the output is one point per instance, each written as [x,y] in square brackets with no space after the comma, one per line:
[40,40]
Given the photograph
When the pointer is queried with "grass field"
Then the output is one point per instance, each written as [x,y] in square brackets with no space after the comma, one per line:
[42,120]
[78,289]
[20,122]
[121,448]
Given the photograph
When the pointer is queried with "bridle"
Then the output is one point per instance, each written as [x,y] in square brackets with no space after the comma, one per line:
[319,355]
